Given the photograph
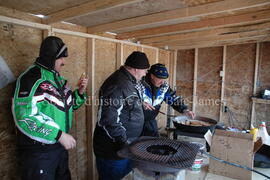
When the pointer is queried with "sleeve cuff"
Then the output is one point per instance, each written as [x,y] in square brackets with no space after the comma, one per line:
[58,135]
[82,96]
[184,109]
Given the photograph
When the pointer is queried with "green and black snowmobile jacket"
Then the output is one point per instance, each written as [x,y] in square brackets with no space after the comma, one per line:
[43,101]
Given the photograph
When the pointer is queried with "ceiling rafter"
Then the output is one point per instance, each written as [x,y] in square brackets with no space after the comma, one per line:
[200,25]
[226,6]
[214,38]
[198,34]
[202,44]
[84,9]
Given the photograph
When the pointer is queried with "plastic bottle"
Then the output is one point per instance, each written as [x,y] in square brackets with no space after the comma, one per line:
[254,131]
[262,132]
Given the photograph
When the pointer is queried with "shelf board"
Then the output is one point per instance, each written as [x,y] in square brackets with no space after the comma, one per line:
[260,100]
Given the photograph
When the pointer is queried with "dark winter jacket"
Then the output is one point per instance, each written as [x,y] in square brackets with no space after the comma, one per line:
[120,114]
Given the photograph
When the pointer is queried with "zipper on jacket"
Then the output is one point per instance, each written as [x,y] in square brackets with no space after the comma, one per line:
[65,102]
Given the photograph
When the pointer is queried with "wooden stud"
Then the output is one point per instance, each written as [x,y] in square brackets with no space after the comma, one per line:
[157,55]
[173,73]
[222,101]
[252,121]
[119,55]
[256,67]
[46,33]
[195,80]
[90,108]
[174,68]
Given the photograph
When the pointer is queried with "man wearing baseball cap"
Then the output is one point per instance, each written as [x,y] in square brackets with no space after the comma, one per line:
[156,91]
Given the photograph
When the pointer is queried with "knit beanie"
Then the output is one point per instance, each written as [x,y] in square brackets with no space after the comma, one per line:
[137,60]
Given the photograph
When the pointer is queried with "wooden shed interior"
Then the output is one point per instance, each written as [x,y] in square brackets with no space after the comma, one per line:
[217,53]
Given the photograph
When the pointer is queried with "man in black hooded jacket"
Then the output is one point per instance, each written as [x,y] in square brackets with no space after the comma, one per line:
[42,108]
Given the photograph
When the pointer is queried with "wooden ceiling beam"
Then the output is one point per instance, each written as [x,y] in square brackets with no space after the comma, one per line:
[203,44]
[205,33]
[84,9]
[200,25]
[226,6]
[214,37]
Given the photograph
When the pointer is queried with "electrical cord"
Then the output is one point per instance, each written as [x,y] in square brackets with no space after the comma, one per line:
[233,164]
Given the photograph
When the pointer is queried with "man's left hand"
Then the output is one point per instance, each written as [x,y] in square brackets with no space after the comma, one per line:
[83,84]
[189,113]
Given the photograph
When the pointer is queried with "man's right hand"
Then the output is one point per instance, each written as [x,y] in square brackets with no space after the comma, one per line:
[67,141]
[148,106]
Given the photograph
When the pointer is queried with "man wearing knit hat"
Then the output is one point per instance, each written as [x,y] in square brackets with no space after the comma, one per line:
[120,116]
[42,109]
[156,91]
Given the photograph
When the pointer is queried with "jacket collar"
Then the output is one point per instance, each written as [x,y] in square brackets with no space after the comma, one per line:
[128,75]
[44,67]
[147,82]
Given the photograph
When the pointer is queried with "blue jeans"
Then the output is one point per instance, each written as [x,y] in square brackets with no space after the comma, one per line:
[113,169]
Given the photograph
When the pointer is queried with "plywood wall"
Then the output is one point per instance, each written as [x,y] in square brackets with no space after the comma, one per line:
[184,75]
[19,48]
[209,82]
[151,54]
[105,61]
[127,50]
[239,78]
[238,84]
[262,111]
[164,58]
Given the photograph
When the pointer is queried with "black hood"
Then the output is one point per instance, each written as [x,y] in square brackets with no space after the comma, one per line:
[51,48]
